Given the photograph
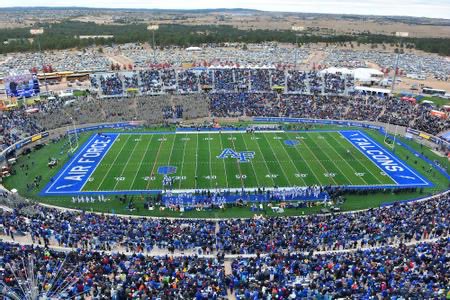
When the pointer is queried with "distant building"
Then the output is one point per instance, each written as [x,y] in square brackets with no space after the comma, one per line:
[85,37]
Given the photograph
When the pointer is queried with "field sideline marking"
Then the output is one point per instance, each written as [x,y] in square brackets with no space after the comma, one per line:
[339,142]
[95,168]
[109,169]
[426,183]
[281,167]
[142,159]
[223,132]
[69,163]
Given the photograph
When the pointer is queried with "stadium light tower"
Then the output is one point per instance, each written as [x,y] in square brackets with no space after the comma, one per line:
[297,29]
[394,79]
[400,34]
[37,32]
[153,28]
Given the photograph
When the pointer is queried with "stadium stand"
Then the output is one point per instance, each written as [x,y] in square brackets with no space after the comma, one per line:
[399,251]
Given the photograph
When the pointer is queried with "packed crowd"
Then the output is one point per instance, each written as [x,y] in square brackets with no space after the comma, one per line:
[221,79]
[16,125]
[150,109]
[90,231]
[98,275]
[416,272]
[294,257]
[20,123]
[54,113]
[376,227]
[110,84]
[364,108]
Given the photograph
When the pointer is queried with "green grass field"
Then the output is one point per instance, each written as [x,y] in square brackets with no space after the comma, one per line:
[37,162]
[320,158]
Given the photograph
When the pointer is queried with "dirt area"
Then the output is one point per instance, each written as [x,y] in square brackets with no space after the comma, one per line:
[316,58]
[319,25]
[407,83]
[103,19]
[120,59]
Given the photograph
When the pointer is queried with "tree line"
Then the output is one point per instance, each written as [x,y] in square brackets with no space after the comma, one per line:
[65,35]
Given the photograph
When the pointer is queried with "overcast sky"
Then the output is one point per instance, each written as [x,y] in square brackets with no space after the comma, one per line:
[418,8]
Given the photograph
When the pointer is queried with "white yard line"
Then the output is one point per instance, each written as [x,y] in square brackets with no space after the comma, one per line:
[224,165]
[128,160]
[196,163]
[308,165]
[182,162]
[332,161]
[210,163]
[251,161]
[276,157]
[307,147]
[142,159]
[292,161]
[155,162]
[170,155]
[337,141]
[82,187]
[263,158]
[109,169]
[238,163]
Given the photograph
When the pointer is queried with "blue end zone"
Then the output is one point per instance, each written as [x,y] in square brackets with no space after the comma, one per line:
[396,169]
[77,171]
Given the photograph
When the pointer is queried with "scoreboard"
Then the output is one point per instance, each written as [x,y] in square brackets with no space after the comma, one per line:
[22,86]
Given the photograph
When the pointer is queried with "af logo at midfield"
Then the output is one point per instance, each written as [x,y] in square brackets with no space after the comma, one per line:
[244,156]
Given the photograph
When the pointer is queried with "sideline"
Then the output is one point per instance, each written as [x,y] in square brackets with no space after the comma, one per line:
[444,193]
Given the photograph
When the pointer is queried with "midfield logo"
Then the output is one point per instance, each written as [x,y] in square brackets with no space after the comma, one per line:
[244,156]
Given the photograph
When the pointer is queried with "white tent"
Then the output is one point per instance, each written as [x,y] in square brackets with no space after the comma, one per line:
[367,74]
[360,74]
[334,70]
[194,49]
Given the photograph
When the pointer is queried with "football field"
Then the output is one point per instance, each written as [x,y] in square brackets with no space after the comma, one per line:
[146,162]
